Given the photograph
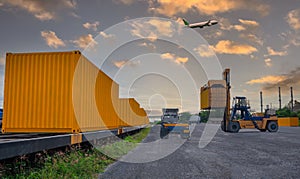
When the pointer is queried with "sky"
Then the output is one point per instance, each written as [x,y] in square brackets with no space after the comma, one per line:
[258,40]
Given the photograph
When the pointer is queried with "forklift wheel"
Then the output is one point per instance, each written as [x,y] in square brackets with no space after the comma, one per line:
[272,126]
[222,125]
[234,127]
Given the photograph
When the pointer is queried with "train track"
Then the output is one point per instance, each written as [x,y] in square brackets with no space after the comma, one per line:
[13,145]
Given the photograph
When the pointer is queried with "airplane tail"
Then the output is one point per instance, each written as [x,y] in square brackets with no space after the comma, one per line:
[185,22]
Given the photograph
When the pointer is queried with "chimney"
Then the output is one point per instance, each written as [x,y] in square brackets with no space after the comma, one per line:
[292,99]
[261,102]
[279,97]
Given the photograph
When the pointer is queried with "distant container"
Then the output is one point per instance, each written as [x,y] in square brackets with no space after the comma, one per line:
[57,92]
[288,121]
[131,114]
[213,95]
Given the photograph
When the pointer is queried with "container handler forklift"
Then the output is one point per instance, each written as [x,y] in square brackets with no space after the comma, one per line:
[240,117]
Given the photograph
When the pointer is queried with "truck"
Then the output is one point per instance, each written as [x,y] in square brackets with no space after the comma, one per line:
[170,124]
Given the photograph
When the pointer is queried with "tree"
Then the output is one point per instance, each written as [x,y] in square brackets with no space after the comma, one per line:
[184,117]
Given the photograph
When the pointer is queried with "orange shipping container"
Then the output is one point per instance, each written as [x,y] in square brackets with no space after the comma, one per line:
[288,121]
[131,114]
[57,92]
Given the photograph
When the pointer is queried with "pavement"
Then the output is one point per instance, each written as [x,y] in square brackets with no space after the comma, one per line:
[247,154]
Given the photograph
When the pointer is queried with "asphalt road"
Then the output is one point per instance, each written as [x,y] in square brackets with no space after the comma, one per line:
[247,154]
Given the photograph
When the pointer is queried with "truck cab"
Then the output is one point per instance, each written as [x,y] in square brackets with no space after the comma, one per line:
[170,124]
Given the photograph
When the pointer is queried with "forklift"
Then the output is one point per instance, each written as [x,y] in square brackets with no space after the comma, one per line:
[239,116]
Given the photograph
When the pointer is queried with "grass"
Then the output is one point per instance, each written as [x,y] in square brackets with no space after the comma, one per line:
[122,147]
[75,163]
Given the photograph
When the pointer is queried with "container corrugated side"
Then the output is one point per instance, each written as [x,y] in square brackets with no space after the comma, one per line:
[40,92]
[213,95]
[288,121]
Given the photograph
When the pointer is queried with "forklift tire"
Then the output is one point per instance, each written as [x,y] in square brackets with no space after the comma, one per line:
[272,126]
[234,127]
[262,130]
[222,125]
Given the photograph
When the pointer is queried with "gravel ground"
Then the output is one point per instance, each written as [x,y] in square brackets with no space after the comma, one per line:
[247,154]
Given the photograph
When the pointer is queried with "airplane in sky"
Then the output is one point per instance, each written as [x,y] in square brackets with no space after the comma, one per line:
[200,24]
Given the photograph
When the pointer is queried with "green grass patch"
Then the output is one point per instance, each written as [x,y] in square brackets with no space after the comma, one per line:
[75,163]
[122,147]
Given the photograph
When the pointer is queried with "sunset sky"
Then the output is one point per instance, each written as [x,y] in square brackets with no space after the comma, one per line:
[258,40]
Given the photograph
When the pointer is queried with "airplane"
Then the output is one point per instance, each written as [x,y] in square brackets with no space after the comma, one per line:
[200,24]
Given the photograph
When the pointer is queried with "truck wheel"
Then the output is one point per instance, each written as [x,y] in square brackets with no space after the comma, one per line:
[234,127]
[163,133]
[272,126]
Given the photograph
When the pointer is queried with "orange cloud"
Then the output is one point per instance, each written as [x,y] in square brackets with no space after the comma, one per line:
[204,51]
[267,80]
[231,47]
[207,7]
[293,19]
[272,52]
[121,63]
[92,26]
[268,62]
[84,41]
[52,40]
[152,29]
[176,59]
[42,10]
[249,22]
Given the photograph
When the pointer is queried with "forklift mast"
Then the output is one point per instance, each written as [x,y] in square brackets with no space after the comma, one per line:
[226,77]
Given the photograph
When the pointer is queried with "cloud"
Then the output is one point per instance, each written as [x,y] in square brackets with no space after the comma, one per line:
[42,10]
[148,45]
[285,81]
[272,52]
[126,2]
[92,26]
[174,58]
[152,29]
[239,27]
[231,47]
[249,22]
[252,38]
[52,40]
[293,19]
[204,51]
[243,26]
[105,35]
[84,41]
[268,62]
[207,7]
[267,80]
[121,63]
[2,60]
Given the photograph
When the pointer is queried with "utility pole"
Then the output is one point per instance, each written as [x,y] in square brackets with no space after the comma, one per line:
[261,102]
[279,97]
[292,99]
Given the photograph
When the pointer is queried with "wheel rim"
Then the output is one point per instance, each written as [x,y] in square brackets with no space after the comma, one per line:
[273,126]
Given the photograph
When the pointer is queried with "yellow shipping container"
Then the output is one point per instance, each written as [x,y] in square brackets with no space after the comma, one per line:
[57,92]
[288,121]
[213,95]
[131,114]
